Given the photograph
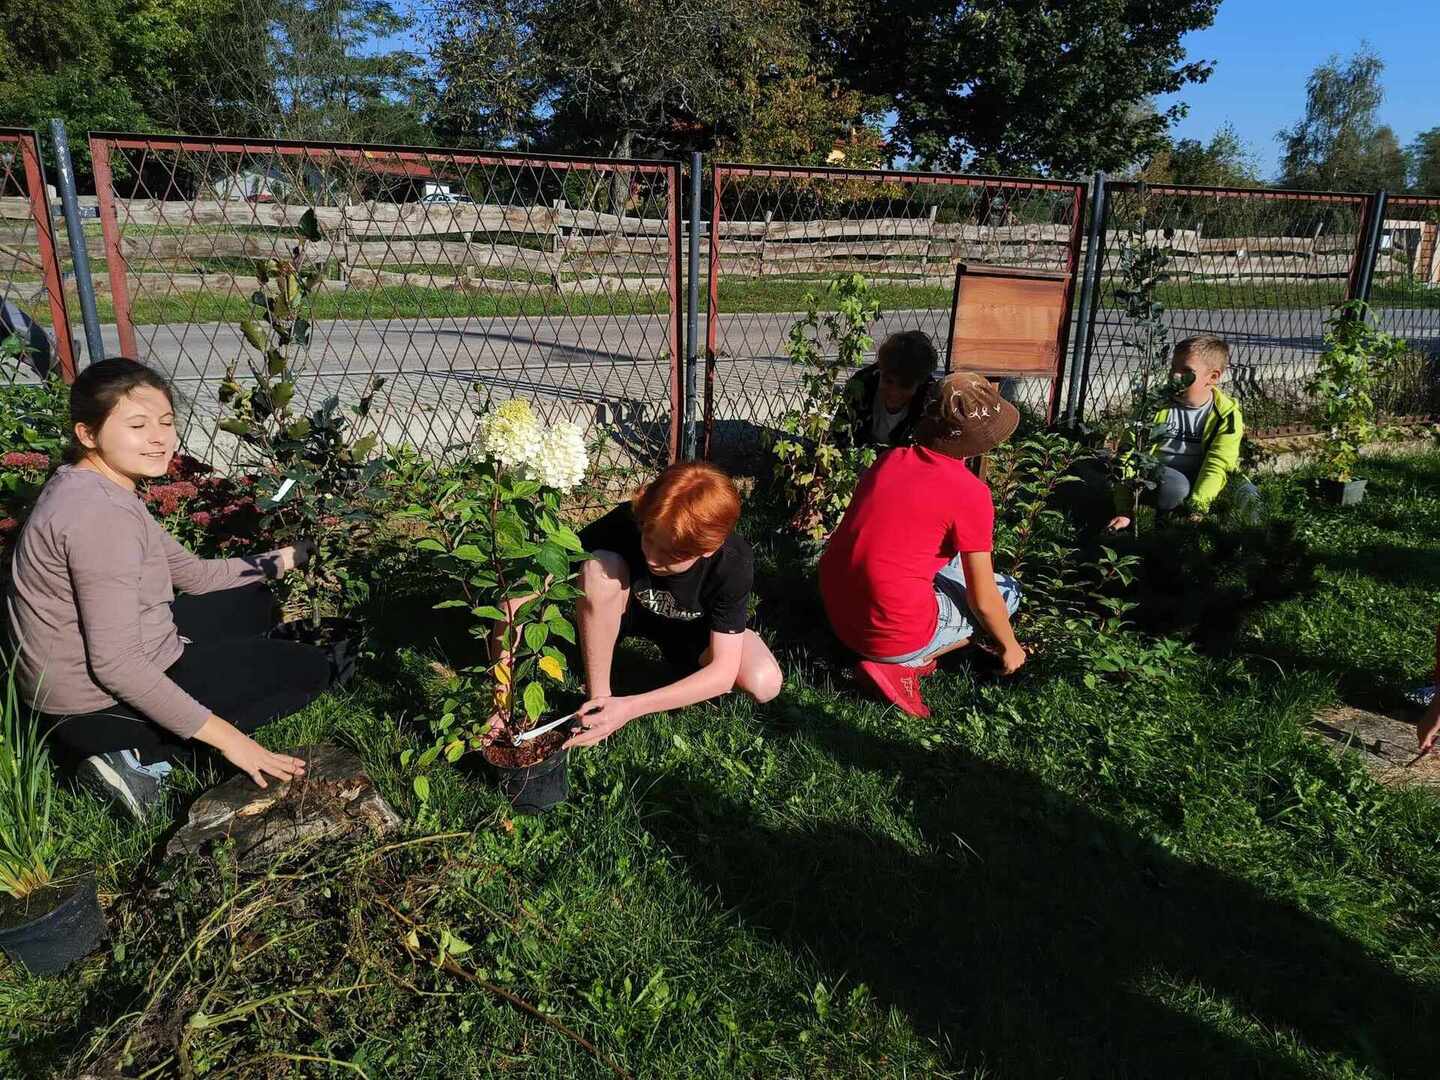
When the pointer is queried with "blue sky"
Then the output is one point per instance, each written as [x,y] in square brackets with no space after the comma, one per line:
[1265,49]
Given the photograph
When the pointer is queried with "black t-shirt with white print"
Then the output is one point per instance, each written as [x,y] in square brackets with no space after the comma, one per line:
[714,594]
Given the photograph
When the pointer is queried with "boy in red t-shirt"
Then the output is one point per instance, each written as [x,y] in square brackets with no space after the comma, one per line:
[908,573]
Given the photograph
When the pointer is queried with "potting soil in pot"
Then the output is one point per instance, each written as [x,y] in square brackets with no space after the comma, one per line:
[533,775]
[54,926]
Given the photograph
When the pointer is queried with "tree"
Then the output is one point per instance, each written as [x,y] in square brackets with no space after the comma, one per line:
[1012,86]
[98,65]
[1225,161]
[1338,145]
[806,120]
[623,77]
[1423,158]
[86,99]
[1387,167]
[306,69]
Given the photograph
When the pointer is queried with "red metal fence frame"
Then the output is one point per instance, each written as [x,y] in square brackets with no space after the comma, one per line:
[1366,204]
[103,143]
[726,170]
[29,146]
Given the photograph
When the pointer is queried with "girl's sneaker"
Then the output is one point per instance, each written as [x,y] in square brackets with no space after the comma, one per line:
[119,777]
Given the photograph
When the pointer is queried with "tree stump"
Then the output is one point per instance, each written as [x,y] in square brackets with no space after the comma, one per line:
[334,799]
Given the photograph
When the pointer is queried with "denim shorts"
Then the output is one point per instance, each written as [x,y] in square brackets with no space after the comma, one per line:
[956,621]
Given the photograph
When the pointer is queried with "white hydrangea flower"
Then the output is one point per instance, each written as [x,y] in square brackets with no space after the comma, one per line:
[513,437]
[561,461]
[510,434]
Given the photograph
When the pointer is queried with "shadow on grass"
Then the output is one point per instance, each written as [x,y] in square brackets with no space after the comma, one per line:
[1395,564]
[1030,935]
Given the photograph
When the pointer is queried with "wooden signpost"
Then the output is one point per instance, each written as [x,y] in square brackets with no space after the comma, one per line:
[1008,322]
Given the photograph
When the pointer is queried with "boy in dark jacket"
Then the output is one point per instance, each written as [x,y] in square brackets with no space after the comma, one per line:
[883,401]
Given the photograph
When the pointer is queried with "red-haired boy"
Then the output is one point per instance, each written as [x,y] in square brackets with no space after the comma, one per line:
[668,566]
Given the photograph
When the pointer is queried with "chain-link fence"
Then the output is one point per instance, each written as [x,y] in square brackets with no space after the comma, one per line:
[35,336]
[1259,268]
[1405,298]
[778,233]
[461,279]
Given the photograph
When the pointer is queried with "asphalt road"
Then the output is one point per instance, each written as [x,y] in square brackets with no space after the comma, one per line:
[613,371]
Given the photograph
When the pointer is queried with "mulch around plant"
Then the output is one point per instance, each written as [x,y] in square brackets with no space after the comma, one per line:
[508,756]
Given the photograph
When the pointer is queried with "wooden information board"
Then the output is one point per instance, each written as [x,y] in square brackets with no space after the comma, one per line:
[1007,322]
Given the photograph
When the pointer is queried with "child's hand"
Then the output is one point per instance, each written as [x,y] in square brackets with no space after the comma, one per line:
[296,556]
[1012,659]
[600,718]
[1118,522]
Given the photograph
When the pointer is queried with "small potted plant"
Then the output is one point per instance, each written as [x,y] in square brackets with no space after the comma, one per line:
[498,537]
[1357,356]
[319,479]
[48,919]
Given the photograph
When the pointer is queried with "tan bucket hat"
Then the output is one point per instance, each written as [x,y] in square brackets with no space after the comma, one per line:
[965,416]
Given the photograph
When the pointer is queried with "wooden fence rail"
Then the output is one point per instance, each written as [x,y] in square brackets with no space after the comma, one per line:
[177,244]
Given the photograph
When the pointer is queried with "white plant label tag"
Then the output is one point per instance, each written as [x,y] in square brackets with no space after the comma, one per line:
[279,496]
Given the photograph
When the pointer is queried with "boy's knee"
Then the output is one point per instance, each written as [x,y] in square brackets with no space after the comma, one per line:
[1011,591]
[604,576]
[765,682]
[1173,490]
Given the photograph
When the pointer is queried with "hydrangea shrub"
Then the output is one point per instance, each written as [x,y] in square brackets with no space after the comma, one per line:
[497,537]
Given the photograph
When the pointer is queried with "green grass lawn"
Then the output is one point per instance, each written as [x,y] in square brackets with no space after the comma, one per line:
[1145,872]
[156,304]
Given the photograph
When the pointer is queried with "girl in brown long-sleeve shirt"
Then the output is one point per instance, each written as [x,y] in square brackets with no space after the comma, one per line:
[126,673]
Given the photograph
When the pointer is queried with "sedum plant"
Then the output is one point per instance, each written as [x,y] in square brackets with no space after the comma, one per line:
[497,537]
[321,478]
[1357,356]
[817,475]
[29,847]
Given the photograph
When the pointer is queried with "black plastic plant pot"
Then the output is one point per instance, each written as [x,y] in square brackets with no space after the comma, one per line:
[536,788]
[49,943]
[1343,492]
[339,638]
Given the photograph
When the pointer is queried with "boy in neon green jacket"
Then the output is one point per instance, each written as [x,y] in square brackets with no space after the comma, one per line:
[1199,446]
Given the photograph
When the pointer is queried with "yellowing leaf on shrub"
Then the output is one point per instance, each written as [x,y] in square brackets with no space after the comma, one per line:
[552,667]
[534,698]
[502,674]
[254,335]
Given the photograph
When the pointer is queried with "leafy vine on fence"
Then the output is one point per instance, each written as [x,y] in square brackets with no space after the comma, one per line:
[815,474]
[1132,465]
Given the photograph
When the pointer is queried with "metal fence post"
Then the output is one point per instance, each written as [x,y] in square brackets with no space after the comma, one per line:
[1089,284]
[49,251]
[114,252]
[692,307]
[712,313]
[1368,256]
[75,230]
[677,333]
